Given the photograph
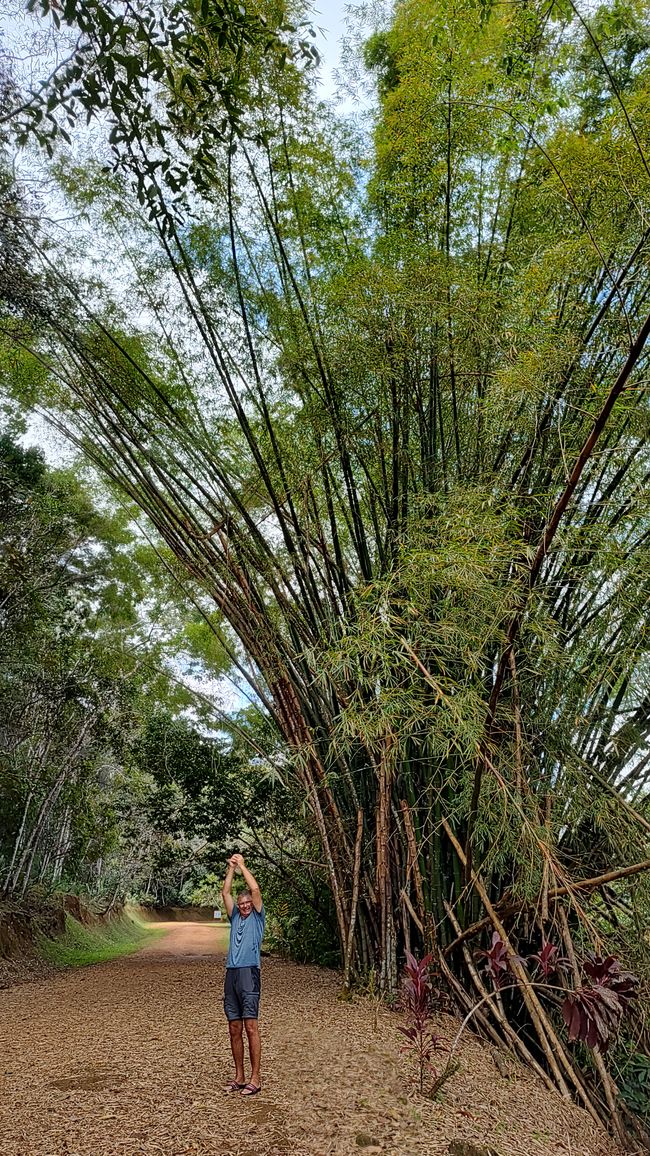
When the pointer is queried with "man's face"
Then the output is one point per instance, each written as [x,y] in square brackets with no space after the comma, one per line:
[244,905]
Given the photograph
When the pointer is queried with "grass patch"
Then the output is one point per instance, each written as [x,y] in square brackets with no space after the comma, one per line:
[97,943]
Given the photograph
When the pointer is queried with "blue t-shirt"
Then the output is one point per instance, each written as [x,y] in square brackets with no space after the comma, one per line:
[246,937]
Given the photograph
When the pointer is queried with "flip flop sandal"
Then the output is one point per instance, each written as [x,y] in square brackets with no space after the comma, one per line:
[233,1086]
[249,1090]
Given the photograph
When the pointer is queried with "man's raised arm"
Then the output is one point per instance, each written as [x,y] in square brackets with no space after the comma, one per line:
[251,882]
[226,890]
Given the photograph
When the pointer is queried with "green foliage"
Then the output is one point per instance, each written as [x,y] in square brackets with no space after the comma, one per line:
[79,671]
[198,791]
[120,71]
[203,641]
[302,922]
[377,56]
[207,893]
[633,1073]
[201,787]
[421,635]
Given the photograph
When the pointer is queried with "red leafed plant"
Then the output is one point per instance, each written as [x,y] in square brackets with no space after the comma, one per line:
[416,1004]
[593,1013]
[548,959]
[607,972]
[497,961]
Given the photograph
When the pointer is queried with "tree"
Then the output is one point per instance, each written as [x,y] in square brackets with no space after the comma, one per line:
[77,669]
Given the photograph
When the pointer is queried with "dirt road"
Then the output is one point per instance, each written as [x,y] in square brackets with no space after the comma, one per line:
[130,1059]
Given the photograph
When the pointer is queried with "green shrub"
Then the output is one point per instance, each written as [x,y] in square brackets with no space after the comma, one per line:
[297,929]
[633,1079]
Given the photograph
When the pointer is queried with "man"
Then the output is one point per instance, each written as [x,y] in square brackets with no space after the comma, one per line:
[241,999]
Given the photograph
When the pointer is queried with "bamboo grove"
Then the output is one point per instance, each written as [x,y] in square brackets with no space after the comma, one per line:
[383,392]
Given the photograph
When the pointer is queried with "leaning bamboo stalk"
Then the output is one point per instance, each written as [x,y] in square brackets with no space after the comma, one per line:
[609,1089]
[568,944]
[465,1001]
[543,1027]
[481,924]
[511,908]
[413,862]
[605,1077]
[515,1041]
[356,876]
[599,880]
[411,910]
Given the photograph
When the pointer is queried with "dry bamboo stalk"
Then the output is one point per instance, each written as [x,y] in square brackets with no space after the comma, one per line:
[465,1000]
[413,860]
[610,1095]
[543,1027]
[548,803]
[498,1011]
[516,703]
[481,924]
[414,916]
[554,893]
[568,944]
[356,874]
[598,880]
[406,930]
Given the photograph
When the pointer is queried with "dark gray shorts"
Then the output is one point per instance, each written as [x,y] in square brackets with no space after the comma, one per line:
[241,994]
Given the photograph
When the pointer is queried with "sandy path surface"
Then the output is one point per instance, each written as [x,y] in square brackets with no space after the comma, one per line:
[130,1058]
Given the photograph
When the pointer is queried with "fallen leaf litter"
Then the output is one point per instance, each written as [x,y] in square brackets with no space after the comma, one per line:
[130,1058]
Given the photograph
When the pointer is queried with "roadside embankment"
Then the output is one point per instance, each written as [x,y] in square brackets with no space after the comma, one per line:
[175,914]
[41,934]
[83,944]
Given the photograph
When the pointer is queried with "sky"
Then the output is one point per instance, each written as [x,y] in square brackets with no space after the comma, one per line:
[330,16]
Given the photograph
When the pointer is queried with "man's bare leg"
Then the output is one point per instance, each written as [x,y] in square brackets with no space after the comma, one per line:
[255,1050]
[237,1048]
